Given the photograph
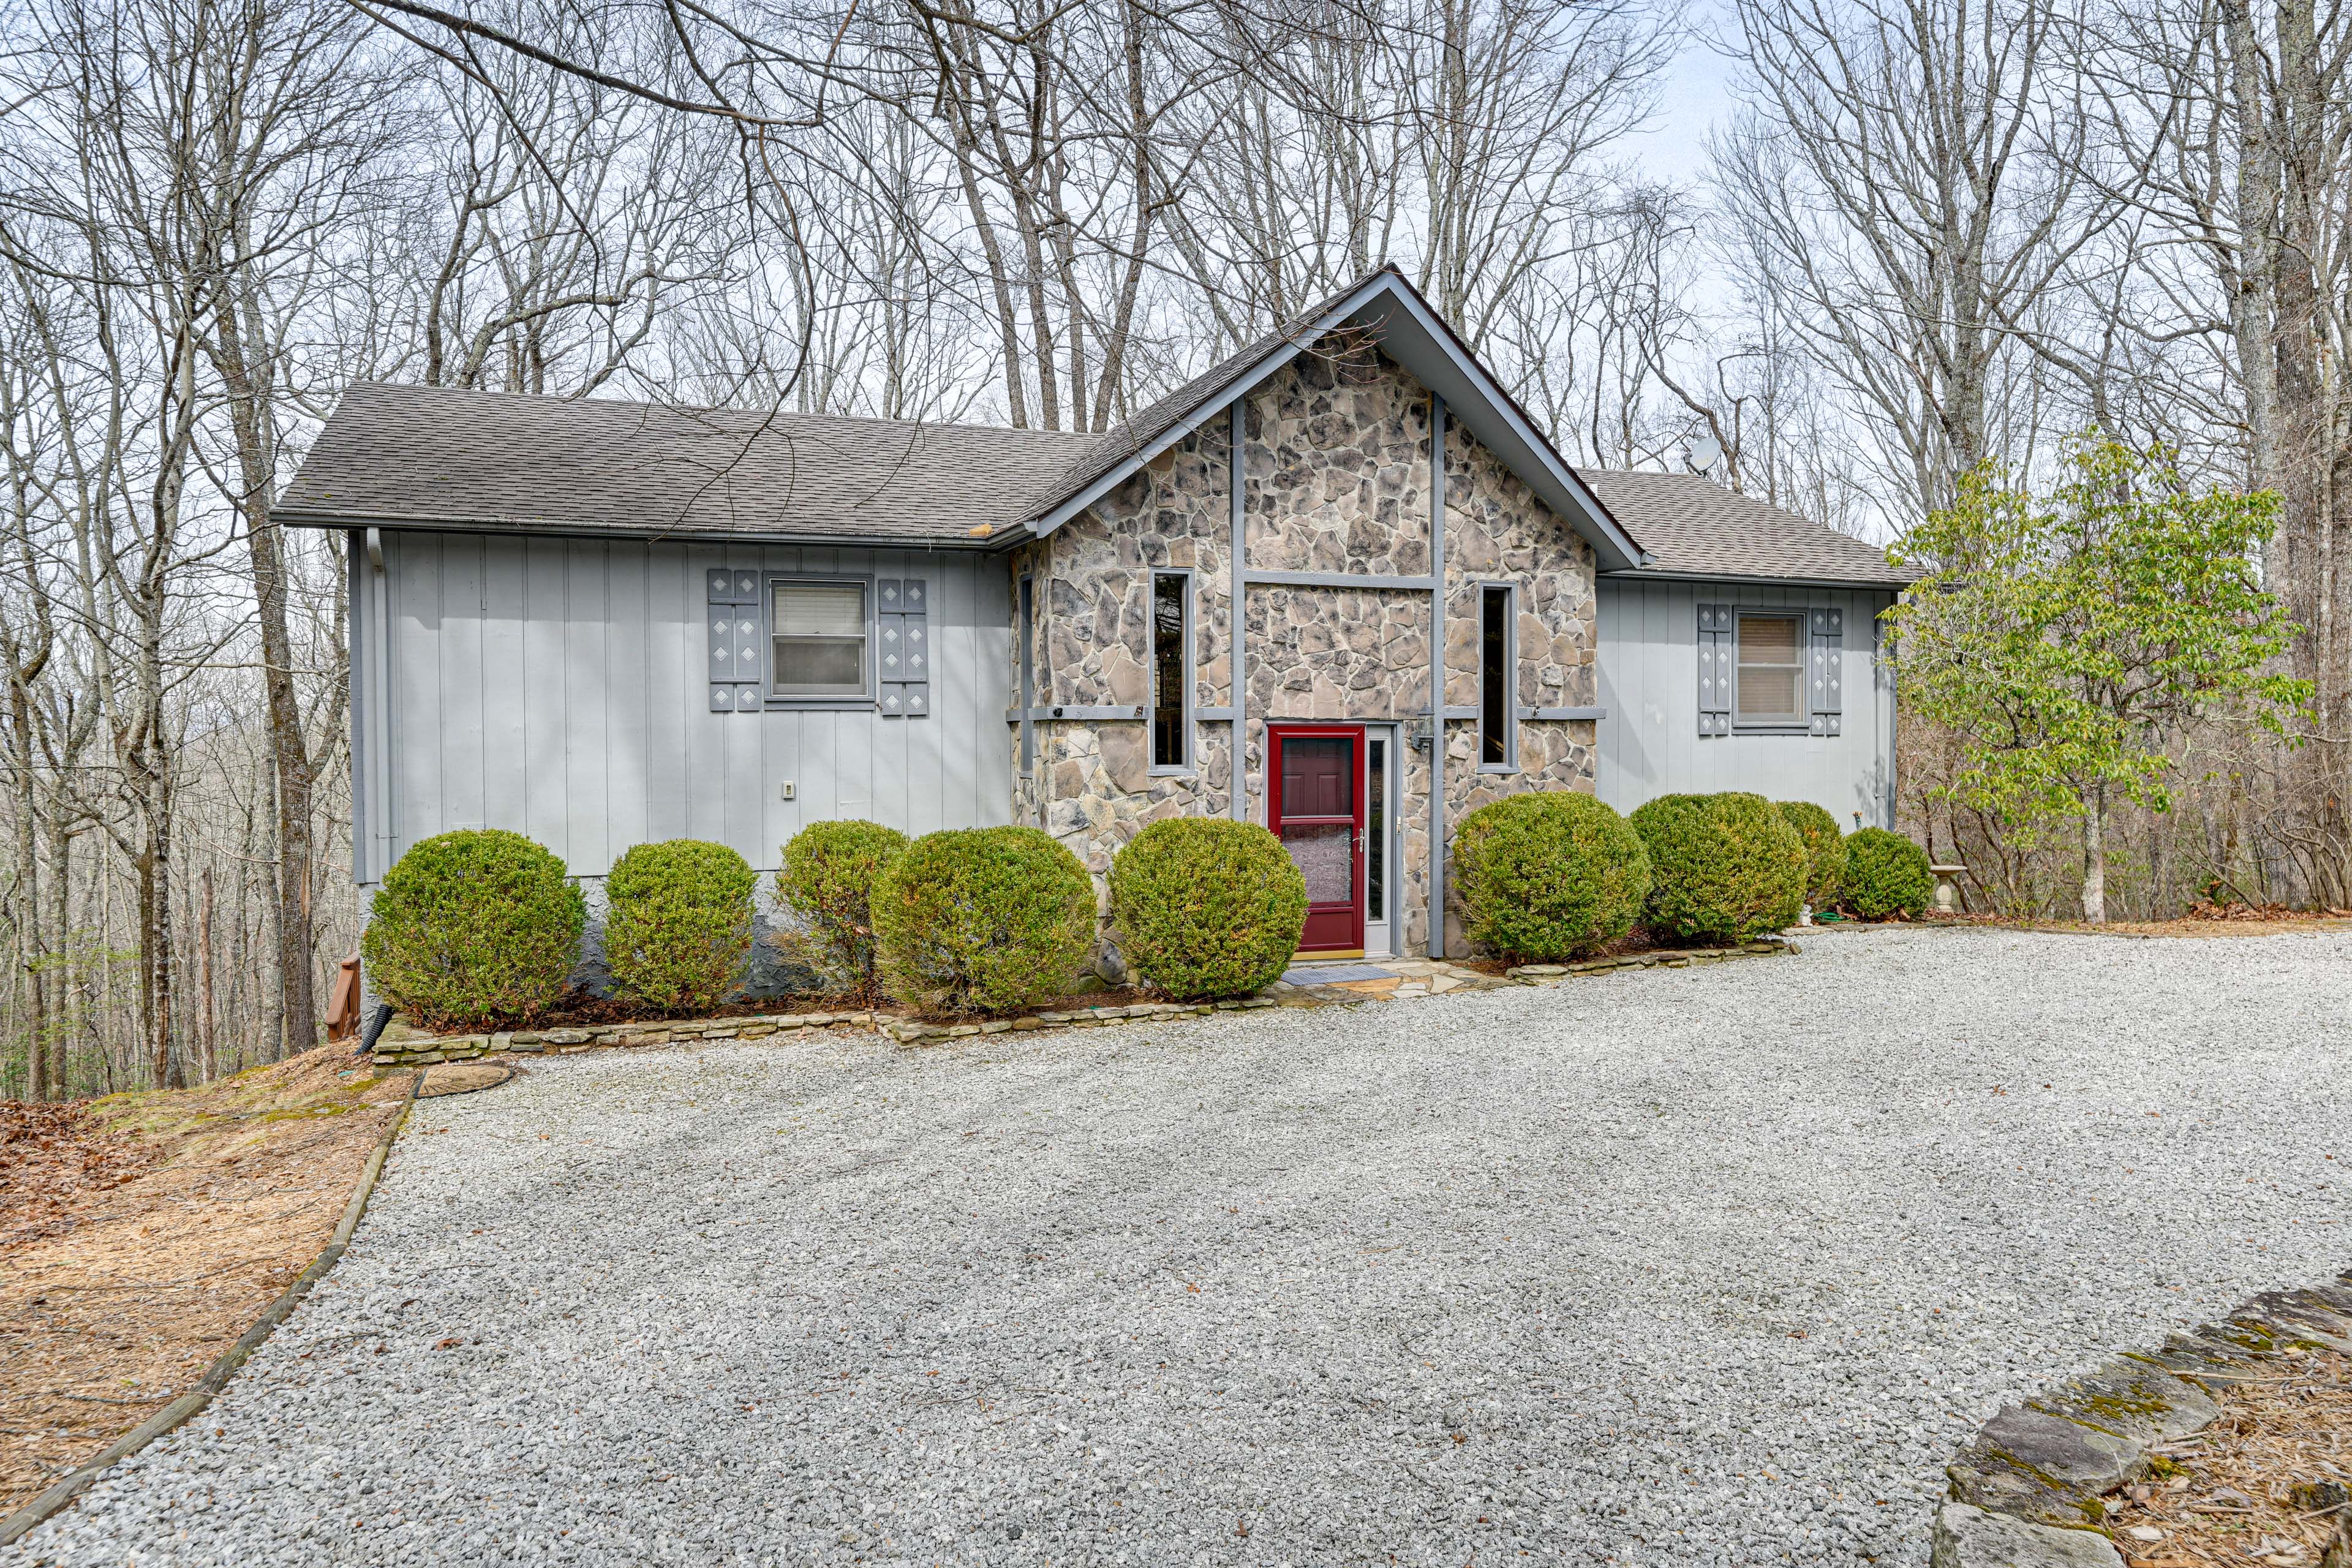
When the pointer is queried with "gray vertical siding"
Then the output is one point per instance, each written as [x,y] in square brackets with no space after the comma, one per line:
[1650,744]
[556,687]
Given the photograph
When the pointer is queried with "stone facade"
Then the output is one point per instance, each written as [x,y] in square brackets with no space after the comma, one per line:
[1336,474]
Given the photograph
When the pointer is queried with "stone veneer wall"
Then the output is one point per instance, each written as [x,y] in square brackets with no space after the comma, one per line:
[1336,474]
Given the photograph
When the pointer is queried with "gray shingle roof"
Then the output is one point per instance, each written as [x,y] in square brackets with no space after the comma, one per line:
[424,455]
[1692,526]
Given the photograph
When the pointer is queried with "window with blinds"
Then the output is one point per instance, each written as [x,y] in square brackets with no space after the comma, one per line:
[819,631]
[1769,687]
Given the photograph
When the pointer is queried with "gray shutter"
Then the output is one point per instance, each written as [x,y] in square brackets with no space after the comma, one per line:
[732,611]
[904,655]
[1715,669]
[1827,694]
[890,646]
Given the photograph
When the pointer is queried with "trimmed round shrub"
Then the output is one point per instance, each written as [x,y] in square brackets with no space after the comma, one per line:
[1825,849]
[473,928]
[828,876]
[677,923]
[1205,906]
[1723,868]
[1548,875]
[982,920]
[1885,873]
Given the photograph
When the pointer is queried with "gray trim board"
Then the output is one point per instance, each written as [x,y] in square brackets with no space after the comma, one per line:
[1099,714]
[1338,580]
[1238,635]
[1437,677]
[1563,715]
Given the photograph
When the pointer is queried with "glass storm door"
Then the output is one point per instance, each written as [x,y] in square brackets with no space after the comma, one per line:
[1318,812]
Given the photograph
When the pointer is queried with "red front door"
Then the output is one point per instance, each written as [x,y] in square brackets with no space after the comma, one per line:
[1318,811]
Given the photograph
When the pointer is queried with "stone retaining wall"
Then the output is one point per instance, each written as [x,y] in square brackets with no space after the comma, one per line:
[2030,1489]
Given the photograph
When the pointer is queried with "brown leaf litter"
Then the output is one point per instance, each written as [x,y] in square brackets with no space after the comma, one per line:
[140,1235]
[2266,1485]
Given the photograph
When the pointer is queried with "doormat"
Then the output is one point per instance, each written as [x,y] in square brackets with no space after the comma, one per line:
[1335,974]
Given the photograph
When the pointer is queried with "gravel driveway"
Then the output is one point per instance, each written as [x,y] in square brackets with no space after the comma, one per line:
[1692,1266]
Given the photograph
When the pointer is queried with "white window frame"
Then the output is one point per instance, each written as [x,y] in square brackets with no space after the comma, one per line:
[1510,591]
[1776,724]
[870,697]
[1184,768]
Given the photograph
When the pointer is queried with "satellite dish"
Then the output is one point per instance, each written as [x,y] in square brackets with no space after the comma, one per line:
[1703,453]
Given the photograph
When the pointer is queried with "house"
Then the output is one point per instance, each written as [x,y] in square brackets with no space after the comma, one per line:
[599,624]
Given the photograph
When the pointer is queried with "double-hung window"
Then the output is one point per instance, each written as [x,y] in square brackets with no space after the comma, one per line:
[820,632]
[1769,688]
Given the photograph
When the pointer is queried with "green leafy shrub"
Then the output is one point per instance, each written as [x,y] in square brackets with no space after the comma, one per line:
[473,928]
[1723,868]
[982,920]
[829,870]
[1205,906]
[1885,873]
[677,923]
[1548,875]
[1825,849]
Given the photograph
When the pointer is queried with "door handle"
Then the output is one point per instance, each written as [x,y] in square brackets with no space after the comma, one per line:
[1359,841]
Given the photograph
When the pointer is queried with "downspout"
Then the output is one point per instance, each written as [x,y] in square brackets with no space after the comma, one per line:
[1240,624]
[1436,675]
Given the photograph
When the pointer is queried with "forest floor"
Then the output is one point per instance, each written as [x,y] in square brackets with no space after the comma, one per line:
[141,1234]
[2205,920]
[2269,1483]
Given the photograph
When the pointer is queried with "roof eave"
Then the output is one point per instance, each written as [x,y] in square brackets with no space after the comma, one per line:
[1765,579]
[554,528]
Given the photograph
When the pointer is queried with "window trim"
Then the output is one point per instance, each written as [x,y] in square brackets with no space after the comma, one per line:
[1189,766]
[1024,650]
[872,697]
[1510,591]
[1778,723]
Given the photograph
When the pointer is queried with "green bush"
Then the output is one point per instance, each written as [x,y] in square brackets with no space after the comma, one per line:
[1825,849]
[1205,906]
[473,928]
[677,923]
[982,920]
[829,872]
[1548,875]
[1723,868]
[1885,873]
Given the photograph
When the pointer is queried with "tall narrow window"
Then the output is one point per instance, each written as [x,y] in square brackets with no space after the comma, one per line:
[1028,673]
[1496,686]
[1770,676]
[819,632]
[1376,827]
[1172,670]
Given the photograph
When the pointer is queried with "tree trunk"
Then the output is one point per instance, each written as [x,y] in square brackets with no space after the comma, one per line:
[207,1060]
[2094,856]
[249,417]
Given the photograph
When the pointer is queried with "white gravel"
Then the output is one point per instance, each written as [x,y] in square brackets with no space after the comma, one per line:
[1704,1266]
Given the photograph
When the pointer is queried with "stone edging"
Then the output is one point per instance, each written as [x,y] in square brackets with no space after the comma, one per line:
[216,1378]
[2030,1490]
[401,1046]
[1666,958]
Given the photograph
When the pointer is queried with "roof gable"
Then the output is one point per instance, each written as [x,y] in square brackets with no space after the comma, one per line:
[1392,313]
